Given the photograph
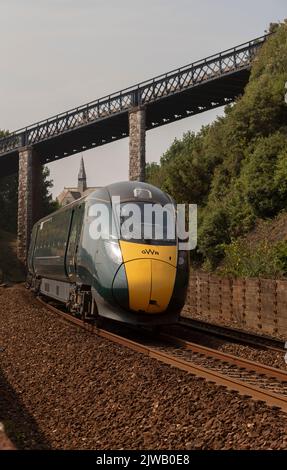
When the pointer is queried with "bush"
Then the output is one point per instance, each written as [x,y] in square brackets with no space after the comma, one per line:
[212,234]
[280,254]
[246,260]
[258,174]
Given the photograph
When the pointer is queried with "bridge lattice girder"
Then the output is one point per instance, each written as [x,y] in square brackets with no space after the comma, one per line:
[187,91]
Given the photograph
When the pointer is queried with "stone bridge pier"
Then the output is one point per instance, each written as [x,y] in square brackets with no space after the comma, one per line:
[137,132]
[28,198]
[30,172]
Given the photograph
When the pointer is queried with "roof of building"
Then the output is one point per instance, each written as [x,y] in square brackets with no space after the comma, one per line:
[72,194]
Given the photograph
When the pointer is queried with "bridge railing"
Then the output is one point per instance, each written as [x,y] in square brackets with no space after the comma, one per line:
[143,93]
[207,69]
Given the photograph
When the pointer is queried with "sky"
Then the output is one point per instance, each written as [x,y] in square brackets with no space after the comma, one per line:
[59,54]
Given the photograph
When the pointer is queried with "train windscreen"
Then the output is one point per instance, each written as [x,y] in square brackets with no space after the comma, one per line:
[146,222]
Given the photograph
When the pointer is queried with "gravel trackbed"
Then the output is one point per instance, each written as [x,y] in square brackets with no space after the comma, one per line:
[62,388]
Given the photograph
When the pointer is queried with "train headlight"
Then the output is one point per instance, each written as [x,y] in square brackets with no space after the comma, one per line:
[114,252]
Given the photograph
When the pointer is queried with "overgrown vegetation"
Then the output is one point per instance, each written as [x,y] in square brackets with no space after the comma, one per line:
[236,168]
[244,260]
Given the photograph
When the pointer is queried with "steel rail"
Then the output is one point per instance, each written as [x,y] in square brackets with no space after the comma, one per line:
[252,339]
[252,366]
[243,388]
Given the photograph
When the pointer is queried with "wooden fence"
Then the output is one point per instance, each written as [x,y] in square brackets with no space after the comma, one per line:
[259,304]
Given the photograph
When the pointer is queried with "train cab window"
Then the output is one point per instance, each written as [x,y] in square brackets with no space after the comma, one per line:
[143,222]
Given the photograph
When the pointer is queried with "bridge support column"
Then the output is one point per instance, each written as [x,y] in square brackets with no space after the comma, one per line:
[137,128]
[28,198]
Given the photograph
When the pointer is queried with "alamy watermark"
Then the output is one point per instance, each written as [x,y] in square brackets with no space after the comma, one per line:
[145,222]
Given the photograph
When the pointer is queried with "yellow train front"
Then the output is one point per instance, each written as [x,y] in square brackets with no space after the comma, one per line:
[113,254]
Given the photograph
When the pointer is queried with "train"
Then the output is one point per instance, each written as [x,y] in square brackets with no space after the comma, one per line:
[140,280]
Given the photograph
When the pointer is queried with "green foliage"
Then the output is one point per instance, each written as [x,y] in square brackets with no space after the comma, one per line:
[47,204]
[8,203]
[154,174]
[280,255]
[236,168]
[262,260]
[280,176]
[212,234]
[259,172]
[185,170]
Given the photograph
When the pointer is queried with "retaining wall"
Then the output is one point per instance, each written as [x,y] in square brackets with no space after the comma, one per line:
[259,304]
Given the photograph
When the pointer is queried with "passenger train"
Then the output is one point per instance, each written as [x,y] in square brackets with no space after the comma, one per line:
[140,280]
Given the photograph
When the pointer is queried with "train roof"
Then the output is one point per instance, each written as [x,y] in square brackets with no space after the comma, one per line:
[135,190]
[126,190]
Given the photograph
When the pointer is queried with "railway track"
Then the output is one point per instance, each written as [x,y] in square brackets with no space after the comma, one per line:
[239,336]
[248,378]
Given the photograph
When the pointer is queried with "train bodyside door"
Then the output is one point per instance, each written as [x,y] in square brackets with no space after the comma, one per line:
[73,243]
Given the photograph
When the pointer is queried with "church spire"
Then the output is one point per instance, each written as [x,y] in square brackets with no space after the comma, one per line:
[82,178]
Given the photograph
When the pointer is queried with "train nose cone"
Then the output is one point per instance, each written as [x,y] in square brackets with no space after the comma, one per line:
[150,284]
[120,288]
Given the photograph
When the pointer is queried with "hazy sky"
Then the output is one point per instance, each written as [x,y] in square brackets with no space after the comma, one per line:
[57,54]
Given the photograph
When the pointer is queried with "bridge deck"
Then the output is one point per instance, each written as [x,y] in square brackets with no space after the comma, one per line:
[197,87]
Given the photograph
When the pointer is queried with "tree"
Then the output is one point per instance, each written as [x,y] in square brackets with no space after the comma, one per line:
[262,190]
[9,203]
[235,168]
[47,204]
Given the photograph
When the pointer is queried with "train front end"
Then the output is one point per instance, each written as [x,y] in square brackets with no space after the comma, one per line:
[149,283]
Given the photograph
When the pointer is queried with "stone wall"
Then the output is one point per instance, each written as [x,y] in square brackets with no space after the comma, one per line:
[258,304]
[28,198]
[137,130]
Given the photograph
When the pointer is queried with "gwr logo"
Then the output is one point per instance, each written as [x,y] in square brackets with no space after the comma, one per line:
[150,252]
